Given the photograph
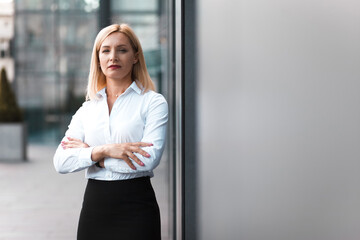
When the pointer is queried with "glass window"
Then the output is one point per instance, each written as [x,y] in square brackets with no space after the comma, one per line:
[52,52]
[84,5]
[35,43]
[28,5]
[135,5]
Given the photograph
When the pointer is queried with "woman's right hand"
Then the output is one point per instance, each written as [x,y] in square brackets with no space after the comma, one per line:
[124,151]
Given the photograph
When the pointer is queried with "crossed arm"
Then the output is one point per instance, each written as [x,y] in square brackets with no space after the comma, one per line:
[74,154]
[124,151]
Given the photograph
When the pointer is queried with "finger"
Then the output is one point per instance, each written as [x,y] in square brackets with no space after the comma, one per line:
[71,145]
[136,159]
[142,144]
[128,162]
[63,144]
[74,139]
[66,145]
[79,144]
[139,150]
[66,142]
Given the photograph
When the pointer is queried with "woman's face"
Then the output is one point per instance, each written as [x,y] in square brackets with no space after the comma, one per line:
[117,57]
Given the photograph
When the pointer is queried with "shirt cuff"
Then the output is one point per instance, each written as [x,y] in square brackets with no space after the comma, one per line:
[85,157]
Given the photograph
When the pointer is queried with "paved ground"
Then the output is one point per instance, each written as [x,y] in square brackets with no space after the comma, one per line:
[38,203]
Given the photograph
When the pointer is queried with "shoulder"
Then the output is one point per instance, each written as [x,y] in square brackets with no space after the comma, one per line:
[91,103]
[85,107]
[154,97]
[154,102]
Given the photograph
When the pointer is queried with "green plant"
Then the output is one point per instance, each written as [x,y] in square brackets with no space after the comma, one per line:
[9,109]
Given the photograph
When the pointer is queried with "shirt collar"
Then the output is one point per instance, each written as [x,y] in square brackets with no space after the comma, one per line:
[101,93]
[133,86]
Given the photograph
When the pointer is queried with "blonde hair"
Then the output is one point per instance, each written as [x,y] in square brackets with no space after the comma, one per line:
[97,79]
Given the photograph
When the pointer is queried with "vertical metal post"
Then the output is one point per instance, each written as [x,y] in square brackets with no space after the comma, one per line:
[178,120]
[104,13]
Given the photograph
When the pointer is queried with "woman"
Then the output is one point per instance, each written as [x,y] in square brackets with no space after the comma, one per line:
[118,137]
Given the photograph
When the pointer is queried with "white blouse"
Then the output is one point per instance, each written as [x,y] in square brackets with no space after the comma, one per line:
[135,117]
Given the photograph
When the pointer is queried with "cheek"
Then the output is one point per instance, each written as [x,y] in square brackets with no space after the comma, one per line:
[129,60]
[103,64]
[102,59]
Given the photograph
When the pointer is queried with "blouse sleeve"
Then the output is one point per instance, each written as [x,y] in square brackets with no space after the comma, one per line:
[154,132]
[73,159]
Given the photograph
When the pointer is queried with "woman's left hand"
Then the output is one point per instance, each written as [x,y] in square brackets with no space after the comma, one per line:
[73,143]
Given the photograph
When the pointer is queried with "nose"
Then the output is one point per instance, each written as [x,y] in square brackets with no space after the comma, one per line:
[113,56]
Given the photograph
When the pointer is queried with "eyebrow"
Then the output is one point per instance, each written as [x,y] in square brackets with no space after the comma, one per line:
[121,45]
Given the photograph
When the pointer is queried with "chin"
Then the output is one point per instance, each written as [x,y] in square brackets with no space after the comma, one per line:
[117,76]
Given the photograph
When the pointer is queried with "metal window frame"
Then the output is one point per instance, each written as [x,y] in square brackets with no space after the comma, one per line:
[178,121]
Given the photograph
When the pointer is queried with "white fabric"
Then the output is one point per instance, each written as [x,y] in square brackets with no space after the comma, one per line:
[135,117]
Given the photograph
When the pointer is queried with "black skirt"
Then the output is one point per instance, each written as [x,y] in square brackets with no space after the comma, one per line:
[124,209]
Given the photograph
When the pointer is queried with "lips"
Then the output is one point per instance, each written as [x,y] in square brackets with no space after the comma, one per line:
[114,66]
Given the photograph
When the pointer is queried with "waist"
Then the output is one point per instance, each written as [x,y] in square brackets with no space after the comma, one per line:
[106,175]
[120,182]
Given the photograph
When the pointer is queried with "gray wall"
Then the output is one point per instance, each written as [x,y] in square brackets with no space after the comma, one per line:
[278,119]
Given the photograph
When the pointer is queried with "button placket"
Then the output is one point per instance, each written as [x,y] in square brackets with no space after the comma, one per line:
[114,113]
[107,123]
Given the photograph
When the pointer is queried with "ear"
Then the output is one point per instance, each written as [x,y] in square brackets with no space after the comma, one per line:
[136,58]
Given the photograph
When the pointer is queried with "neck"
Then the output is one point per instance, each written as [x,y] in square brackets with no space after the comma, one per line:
[116,88]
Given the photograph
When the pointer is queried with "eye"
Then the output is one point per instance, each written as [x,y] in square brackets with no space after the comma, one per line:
[122,50]
[105,51]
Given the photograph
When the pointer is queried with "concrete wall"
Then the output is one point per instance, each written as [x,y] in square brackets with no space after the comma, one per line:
[278,119]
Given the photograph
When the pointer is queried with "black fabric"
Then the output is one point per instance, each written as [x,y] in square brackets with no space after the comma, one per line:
[125,209]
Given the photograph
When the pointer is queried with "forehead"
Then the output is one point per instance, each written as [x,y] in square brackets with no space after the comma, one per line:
[115,39]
